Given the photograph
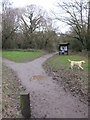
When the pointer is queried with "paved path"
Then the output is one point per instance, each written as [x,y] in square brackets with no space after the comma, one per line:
[48,99]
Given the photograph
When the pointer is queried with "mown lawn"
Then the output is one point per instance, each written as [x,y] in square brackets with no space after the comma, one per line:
[61,65]
[20,56]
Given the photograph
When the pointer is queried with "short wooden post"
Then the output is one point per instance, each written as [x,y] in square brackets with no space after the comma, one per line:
[25,104]
[59,50]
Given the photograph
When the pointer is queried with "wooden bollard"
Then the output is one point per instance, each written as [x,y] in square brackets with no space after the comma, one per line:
[25,104]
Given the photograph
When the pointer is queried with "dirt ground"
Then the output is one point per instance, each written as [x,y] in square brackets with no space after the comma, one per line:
[11,89]
[47,98]
[71,81]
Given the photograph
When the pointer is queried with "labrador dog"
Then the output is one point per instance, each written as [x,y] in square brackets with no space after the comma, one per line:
[78,63]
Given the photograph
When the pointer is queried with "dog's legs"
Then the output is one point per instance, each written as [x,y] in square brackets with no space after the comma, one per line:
[71,66]
[80,67]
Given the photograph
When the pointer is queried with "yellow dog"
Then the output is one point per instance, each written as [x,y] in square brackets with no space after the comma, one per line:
[78,63]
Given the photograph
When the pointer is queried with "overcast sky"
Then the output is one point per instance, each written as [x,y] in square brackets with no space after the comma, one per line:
[47,5]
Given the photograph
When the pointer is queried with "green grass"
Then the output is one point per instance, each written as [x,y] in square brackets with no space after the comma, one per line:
[20,56]
[62,66]
[63,60]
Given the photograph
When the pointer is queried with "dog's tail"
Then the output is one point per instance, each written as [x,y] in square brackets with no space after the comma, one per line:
[69,60]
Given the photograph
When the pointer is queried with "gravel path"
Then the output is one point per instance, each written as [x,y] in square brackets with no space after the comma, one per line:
[48,99]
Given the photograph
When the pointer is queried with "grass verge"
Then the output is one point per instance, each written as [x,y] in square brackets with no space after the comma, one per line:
[20,56]
[75,80]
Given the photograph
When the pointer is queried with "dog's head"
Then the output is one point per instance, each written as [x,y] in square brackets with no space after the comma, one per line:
[83,62]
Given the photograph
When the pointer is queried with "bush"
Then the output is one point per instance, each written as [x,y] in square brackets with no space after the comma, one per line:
[76,46]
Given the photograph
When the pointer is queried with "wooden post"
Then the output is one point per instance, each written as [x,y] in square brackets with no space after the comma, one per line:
[59,49]
[67,49]
[25,104]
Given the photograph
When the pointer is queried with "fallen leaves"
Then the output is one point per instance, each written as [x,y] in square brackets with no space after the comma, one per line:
[11,88]
[70,80]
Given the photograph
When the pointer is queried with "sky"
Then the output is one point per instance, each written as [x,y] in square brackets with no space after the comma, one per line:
[48,5]
[0,5]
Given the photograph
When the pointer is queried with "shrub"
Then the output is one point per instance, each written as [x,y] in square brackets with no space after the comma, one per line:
[76,46]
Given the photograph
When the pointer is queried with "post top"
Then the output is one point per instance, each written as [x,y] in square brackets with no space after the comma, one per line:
[24,93]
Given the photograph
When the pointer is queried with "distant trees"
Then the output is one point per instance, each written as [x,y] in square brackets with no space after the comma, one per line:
[9,24]
[29,27]
[32,27]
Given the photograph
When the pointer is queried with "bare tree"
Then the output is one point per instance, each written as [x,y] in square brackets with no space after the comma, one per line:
[88,30]
[89,15]
[9,24]
[74,15]
[34,21]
